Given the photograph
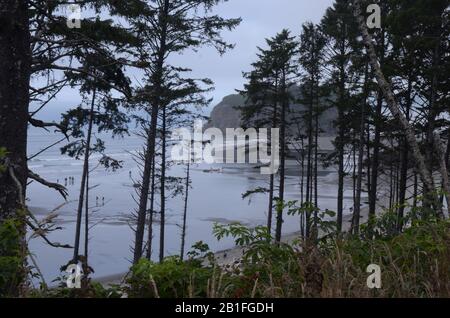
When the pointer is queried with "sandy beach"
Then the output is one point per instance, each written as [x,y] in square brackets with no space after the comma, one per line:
[232,255]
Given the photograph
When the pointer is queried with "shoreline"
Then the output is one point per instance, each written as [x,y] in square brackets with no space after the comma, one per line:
[233,254]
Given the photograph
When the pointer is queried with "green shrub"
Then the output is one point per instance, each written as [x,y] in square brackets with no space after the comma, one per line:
[170,279]
[11,262]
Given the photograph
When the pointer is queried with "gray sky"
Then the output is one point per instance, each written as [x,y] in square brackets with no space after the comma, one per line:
[261,19]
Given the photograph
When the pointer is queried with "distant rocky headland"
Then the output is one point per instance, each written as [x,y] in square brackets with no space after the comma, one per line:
[226,115]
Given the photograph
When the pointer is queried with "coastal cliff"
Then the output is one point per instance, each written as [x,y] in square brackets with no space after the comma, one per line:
[225,115]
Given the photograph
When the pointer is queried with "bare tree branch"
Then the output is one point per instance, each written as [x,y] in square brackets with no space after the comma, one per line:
[41,124]
[62,190]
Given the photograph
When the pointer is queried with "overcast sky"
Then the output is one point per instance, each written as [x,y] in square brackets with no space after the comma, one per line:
[260,19]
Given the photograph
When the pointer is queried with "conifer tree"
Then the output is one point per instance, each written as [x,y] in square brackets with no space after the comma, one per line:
[168,27]
[312,59]
[105,113]
[269,94]
[36,39]
[340,29]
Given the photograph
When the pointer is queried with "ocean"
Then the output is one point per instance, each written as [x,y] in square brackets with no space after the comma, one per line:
[215,196]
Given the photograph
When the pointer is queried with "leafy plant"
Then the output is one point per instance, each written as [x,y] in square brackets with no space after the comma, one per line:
[173,278]
[10,256]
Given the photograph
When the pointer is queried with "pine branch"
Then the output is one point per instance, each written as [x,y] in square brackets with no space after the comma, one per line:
[41,124]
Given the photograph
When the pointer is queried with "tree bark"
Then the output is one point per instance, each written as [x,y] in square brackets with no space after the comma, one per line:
[15,70]
[272,176]
[83,182]
[309,169]
[145,186]
[282,159]
[315,171]
[186,198]
[373,194]
[375,158]
[270,208]
[440,153]
[302,185]
[15,65]
[151,214]
[86,221]
[404,165]
[156,80]
[163,189]
[357,206]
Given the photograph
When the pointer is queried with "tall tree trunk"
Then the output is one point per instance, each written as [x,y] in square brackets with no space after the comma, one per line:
[83,181]
[86,221]
[426,177]
[354,165]
[145,186]
[157,81]
[447,153]
[357,203]
[432,112]
[302,192]
[163,188]
[391,182]
[309,163]
[282,160]
[405,163]
[15,64]
[151,214]
[415,190]
[440,154]
[341,173]
[272,176]
[341,133]
[373,195]
[186,198]
[434,140]
[375,157]
[397,181]
[447,163]
[315,170]
[369,158]
[85,264]
[270,209]
[316,159]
